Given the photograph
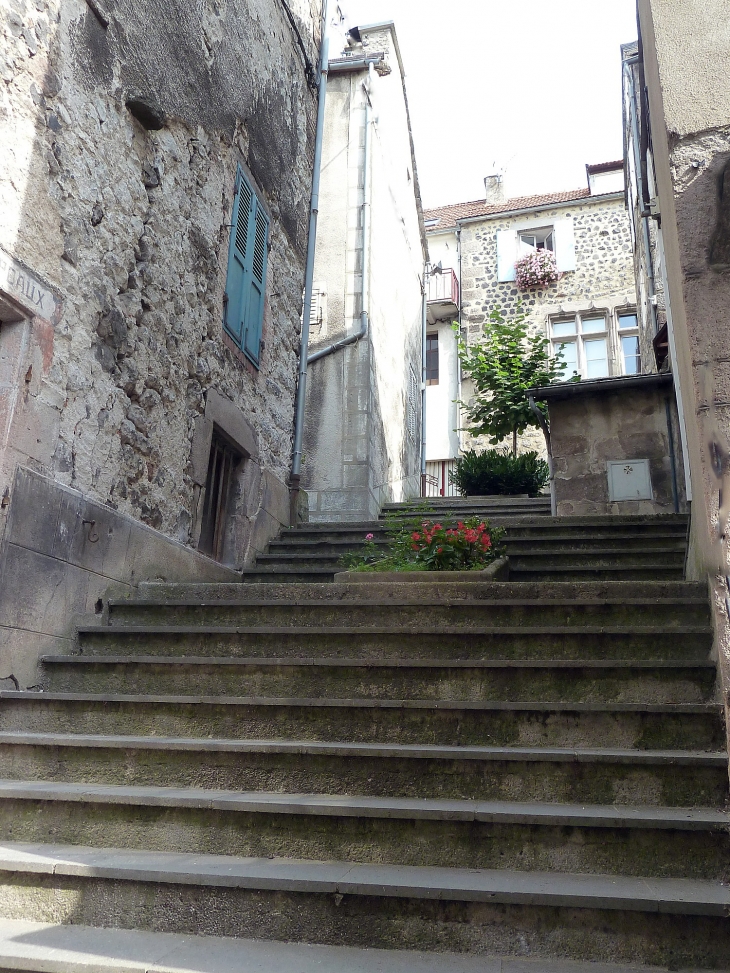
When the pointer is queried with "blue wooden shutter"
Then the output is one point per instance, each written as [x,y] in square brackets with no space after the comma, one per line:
[247,260]
[257,282]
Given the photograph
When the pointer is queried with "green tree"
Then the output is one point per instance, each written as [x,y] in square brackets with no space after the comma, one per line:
[504,365]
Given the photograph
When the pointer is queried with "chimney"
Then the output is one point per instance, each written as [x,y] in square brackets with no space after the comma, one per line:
[494,188]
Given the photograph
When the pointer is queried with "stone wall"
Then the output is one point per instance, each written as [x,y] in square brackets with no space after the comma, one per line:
[124,124]
[603,278]
[685,68]
[611,420]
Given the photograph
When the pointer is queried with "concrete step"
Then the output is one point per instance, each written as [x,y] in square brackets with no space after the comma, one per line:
[625,541]
[51,948]
[656,571]
[546,774]
[645,726]
[518,680]
[599,556]
[688,643]
[648,841]
[600,549]
[572,916]
[365,605]
[429,587]
[286,573]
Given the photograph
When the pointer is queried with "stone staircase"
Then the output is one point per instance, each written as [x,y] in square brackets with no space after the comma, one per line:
[470,777]
[540,548]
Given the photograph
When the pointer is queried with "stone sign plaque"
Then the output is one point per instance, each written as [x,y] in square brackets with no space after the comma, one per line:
[22,295]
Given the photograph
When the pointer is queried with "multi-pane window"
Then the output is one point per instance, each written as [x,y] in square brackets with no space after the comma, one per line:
[432,359]
[247,258]
[583,339]
[628,333]
[543,239]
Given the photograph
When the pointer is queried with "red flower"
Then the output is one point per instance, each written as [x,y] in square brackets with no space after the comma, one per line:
[486,541]
[415,536]
[440,550]
[460,525]
[414,546]
[437,527]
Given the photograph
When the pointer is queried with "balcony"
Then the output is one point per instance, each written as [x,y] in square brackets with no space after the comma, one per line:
[443,296]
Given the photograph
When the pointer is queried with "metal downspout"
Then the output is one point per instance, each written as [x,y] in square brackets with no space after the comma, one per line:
[424,317]
[365,306]
[644,216]
[296,468]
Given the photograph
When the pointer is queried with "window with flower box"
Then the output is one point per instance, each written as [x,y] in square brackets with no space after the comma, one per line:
[527,237]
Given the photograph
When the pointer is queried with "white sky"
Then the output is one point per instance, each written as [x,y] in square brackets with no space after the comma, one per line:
[531,86]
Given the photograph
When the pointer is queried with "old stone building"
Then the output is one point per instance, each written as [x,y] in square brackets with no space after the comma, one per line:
[154,190]
[588,312]
[362,442]
[615,436]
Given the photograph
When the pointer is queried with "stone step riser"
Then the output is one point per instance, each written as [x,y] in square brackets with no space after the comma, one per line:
[516,539]
[537,558]
[633,553]
[565,645]
[590,573]
[353,724]
[466,616]
[339,682]
[652,852]
[372,920]
[586,781]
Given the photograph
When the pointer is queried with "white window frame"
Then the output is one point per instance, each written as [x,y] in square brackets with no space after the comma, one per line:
[509,244]
[579,338]
[626,333]
[543,236]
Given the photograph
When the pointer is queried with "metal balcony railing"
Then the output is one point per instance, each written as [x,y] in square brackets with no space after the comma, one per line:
[443,287]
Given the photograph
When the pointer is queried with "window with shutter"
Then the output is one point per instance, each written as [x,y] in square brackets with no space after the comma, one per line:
[246,280]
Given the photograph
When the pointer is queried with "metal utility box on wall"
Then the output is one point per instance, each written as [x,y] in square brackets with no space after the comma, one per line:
[597,428]
[629,480]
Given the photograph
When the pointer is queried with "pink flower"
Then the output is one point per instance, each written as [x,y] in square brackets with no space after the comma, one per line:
[369,537]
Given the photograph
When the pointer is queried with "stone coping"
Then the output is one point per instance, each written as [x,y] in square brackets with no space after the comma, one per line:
[497,571]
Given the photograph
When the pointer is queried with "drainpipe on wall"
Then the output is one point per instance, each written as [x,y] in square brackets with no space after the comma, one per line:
[365,306]
[675,366]
[296,468]
[645,215]
[459,438]
[424,316]
[546,433]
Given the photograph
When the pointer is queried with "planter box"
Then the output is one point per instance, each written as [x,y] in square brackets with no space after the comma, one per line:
[497,571]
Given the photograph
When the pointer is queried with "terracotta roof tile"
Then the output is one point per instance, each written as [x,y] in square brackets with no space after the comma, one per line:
[448,216]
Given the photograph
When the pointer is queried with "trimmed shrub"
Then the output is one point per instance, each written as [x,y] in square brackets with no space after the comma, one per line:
[498,472]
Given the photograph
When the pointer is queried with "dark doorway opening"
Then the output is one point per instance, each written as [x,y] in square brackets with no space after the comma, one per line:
[222,465]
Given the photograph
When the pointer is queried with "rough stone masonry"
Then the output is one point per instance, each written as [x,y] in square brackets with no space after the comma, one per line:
[122,128]
[122,125]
